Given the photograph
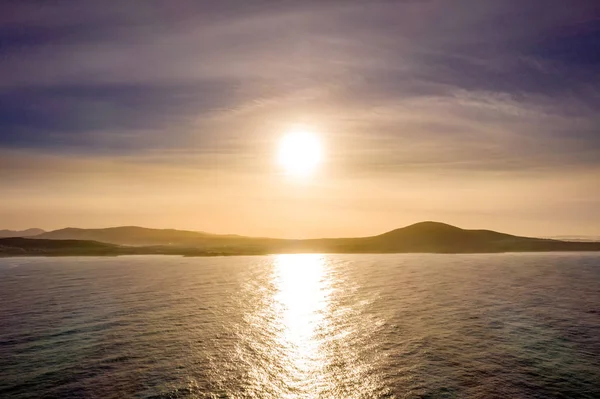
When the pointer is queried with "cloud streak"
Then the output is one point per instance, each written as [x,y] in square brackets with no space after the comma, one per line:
[397,88]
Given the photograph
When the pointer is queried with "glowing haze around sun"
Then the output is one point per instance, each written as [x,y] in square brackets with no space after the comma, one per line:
[300,152]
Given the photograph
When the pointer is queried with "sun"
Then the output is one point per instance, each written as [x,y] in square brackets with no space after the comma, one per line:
[300,152]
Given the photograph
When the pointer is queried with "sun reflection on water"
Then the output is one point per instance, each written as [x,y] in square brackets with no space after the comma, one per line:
[302,302]
[309,334]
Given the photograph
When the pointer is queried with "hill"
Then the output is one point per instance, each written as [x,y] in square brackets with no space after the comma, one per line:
[440,237]
[21,233]
[424,237]
[128,235]
[141,236]
[19,246]
[435,237]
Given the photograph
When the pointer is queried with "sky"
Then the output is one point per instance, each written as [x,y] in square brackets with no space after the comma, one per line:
[167,114]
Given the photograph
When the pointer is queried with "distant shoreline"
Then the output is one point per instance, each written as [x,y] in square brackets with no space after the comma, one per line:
[424,237]
[4,256]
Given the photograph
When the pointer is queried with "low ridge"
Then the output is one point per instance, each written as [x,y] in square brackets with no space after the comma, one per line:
[20,233]
[424,237]
[126,235]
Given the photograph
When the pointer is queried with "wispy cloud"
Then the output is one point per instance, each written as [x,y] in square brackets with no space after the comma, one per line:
[203,88]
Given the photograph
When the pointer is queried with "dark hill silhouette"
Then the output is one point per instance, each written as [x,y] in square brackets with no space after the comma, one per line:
[129,235]
[441,237]
[430,237]
[29,246]
[21,233]
[25,246]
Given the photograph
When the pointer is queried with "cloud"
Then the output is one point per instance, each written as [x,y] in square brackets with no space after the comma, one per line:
[196,92]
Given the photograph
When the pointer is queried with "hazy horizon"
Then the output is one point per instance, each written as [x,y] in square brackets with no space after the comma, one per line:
[572,237]
[163,115]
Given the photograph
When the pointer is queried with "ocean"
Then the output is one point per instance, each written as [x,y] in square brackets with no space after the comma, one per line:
[301,326]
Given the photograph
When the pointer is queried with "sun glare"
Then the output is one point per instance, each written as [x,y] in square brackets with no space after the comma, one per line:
[300,152]
[303,297]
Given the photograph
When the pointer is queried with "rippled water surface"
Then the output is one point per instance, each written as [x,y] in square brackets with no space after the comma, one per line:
[301,326]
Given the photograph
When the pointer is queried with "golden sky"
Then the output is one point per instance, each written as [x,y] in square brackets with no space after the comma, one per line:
[171,115]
